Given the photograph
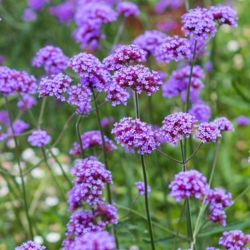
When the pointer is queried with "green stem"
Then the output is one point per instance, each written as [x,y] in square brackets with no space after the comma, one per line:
[40,119]
[105,158]
[79,136]
[20,171]
[136,102]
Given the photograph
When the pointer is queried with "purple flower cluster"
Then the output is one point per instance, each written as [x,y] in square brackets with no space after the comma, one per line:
[173,49]
[163,5]
[224,124]
[92,139]
[150,41]
[13,81]
[30,245]
[136,135]
[199,23]
[139,78]
[208,132]
[188,184]
[52,59]
[91,71]
[106,122]
[243,121]
[39,138]
[177,126]
[26,102]
[90,18]
[234,240]
[177,85]
[224,15]
[19,127]
[128,9]
[201,112]
[141,188]
[37,5]
[4,118]
[55,85]
[218,200]
[124,55]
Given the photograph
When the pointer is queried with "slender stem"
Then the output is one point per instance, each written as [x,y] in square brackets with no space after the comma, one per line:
[203,206]
[194,153]
[20,171]
[118,34]
[136,102]
[40,119]
[169,157]
[105,158]
[78,132]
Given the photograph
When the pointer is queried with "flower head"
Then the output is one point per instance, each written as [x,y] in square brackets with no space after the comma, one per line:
[39,138]
[243,121]
[37,5]
[26,102]
[30,245]
[177,126]
[141,188]
[208,132]
[64,12]
[224,124]
[19,127]
[128,9]
[188,184]
[201,112]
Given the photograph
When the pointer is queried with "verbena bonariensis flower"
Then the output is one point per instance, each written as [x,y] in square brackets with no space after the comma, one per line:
[177,126]
[106,122]
[26,102]
[92,139]
[117,95]
[188,184]
[133,134]
[224,15]
[224,124]
[199,23]
[55,85]
[91,171]
[234,240]
[89,35]
[243,121]
[4,118]
[91,71]
[64,12]
[3,135]
[30,245]
[128,9]
[141,188]
[139,78]
[150,41]
[19,127]
[37,4]
[163,5]
[208,132]
[173,49]
[124,55]
[80,97]
[94,241]
[218,200]
[52,59]
[39,138]
[29,15]
[201,111]
[177,85]
[98,12]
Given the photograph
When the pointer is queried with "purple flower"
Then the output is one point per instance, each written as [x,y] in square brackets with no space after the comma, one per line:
[92,139]
[188,184]
[39,138]
[224,124]
[106,122]
[117,95]
[141,188]
[94,241]
[212,248]
[173,49]
[150,41]
[26,102]
[80,97]
[139,78]
[128,9]
[177,126]
[29,15]
[201,112]
[37,4]
[136,135]
[4,118]
[199,23]
[243,121]
[52,59]
[224,15]
[19,127]
[2,60]
[167,26]
[64,12]
[124,55]
[91,71]
[163,5]
[30,245]
[55,85]
[234,240]
[208,132]
[3,136]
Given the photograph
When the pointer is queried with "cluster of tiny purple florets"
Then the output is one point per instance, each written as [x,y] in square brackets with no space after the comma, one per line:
[39,138]
[135,135]
[128,9]
[208,132]
[224,124]
[141,188]
[30,245]
[26,102]
[202,112]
